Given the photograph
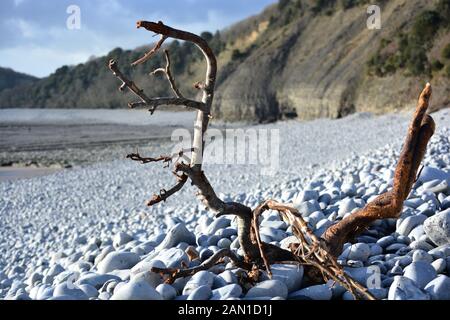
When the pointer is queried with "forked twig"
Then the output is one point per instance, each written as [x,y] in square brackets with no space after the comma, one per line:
[175,273]
[164,158]
[149,54]
[164,194]
[256,213]
[154,102]
[313,251]
[169,75]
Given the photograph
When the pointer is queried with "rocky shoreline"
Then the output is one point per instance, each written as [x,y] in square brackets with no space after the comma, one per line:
[85,234]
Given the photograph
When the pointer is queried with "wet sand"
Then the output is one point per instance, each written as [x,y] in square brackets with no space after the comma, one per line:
[66,138]
[17,173]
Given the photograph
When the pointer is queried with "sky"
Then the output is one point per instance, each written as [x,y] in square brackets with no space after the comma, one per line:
[39,36]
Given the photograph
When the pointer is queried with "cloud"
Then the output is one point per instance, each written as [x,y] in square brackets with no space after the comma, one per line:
[36,30]
[18,2]
[26,30]
[37,60]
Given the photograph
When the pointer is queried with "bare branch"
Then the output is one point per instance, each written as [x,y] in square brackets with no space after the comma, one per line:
[164,194]
[169,76]
[313,252]
[389,204]
[149,54]
[207,194]
[175,273]
[199,85]
[166,101]
[146,101]
[256,213]
[164,158]
[126,83]
[143,160]
[203,117]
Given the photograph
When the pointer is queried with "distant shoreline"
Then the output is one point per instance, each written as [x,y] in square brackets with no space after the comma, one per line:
[44,116]
[48,138]
[13,173]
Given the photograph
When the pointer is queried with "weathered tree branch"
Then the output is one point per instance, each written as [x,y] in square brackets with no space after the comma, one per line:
[144,160]
[154,102]
[149,54]
[201,123]
[164,194]
[389,204]
[164,158]
[175,273]
[126,83]
[169,75]
[317,255]
[310,252]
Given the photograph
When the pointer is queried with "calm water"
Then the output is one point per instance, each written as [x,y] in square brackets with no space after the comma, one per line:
[94,116]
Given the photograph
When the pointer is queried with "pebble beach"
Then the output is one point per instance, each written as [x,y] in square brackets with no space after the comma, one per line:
[85,233]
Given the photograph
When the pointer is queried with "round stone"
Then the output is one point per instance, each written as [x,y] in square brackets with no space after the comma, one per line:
[317,292]
[121,238]
[437,227]
[403,288]
[69,289]
[136,290]
[117,261]
[439,288]
[422,255]
[268,288]
[177,234]
[200,293]
[166,291]
[229,291]
[358,251]
[420,272]
[291,275]
[201,278]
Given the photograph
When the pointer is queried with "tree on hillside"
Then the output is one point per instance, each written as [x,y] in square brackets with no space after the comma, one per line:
[318,255]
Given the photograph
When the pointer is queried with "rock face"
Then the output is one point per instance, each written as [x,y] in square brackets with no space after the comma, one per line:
[437,227]
[291,73]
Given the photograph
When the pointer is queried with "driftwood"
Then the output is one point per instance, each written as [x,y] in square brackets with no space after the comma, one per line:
[390,204]
[318,255]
